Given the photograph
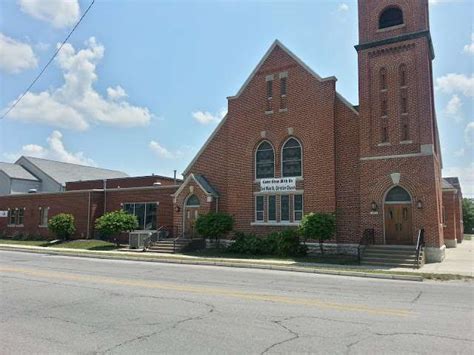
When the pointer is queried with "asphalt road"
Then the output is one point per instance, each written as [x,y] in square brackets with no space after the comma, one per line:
[55,304]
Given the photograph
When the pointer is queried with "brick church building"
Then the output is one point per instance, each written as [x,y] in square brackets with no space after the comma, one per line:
[290,144]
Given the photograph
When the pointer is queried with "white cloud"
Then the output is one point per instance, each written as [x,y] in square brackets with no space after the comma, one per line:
[466,178]
[116,93]
[76,104]
[59,13]
[452,83]
[469,48]
[55,150]
[343,7]
[16,56]
[207,117]
[469,134]
[160,151]
[453,108]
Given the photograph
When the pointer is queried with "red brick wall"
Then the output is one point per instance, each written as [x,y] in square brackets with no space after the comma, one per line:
[450,220]
[75,203]
[139,181]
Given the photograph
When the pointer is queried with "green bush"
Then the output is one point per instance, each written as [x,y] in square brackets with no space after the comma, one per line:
[113,223]
[468,215]
[62,225]
[320,226]
[214,225]
[283,244]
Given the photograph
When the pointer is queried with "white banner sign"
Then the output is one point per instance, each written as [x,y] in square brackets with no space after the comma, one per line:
[278,185]
[4,214]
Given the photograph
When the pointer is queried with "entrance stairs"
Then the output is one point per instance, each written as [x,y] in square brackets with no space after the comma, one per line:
[391,256]
[169,246]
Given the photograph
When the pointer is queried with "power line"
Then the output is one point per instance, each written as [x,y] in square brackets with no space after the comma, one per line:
[49,62]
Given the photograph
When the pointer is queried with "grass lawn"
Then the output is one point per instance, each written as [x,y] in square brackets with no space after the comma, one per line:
[87,244]
[325,259]
[37,243]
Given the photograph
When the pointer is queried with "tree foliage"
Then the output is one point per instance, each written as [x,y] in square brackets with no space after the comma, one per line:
[113,223]
[214,225]
[468,215]
[320,226]
[62,225]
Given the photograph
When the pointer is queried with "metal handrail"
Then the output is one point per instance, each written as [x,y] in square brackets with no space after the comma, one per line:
[420,244]
[367,237]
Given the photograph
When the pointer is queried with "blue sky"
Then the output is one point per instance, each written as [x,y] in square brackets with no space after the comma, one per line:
[142,84]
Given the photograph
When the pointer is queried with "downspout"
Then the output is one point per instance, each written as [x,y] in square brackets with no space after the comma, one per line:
[105,195]
[89,216]
[174,177]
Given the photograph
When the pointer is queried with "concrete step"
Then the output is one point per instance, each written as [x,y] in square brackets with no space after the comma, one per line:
[383,263]
[388,260]
[391,247]
[388,252]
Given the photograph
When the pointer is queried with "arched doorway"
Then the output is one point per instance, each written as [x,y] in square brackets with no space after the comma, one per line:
[191,213]
[398,217]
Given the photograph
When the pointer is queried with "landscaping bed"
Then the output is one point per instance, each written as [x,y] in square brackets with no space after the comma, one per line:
[84,244]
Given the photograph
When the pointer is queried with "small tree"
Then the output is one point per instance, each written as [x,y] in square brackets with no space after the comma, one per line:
[62,225]
[214,225]
[320,226]
[468,215]
[113,223]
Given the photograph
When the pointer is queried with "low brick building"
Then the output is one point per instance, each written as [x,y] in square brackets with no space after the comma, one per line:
[290,144]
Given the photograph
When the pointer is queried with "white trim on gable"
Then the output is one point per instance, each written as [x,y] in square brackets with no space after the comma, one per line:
[186,182]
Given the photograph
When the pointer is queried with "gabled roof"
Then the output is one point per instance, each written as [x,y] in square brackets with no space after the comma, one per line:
[275,44]
[64,172]
[453,182]
[202,182]
[14,171]
[446,185]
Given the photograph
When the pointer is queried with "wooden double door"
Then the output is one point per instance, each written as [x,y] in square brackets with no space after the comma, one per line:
[190,216]
[398,223]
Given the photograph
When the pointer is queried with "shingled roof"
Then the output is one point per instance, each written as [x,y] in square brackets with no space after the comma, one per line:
[14,171]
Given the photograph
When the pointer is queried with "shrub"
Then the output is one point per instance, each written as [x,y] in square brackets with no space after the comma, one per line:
[62,225]
[468,215]
[113,223]
[214,225]
[320,226]
[283,244]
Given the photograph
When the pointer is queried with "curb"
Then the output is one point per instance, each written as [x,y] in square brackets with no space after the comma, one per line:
[243,265]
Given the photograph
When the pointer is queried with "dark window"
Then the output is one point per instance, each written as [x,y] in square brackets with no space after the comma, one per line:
[383,79]
[291,158]
[272,208]
[43,221]
[392,16]
[269,88]
[298,207]
[285,207]
[12,216]
[145,213]
[259,208]
[193,201]
[283,86]
[383,107]
[404,104]
[405,135]
[403,75]
[398,194]
[384,134]
[265,161]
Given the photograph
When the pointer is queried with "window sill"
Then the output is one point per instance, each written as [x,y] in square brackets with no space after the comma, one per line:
[406,142]
[386,29]
[283,110]
[269,112]
[275,224]
[43,226]
[15,225]
[384,144]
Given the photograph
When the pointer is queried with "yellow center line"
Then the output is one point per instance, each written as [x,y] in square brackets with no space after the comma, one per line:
[209,291]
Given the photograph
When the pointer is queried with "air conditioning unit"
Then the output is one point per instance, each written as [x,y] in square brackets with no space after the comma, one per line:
[138,239]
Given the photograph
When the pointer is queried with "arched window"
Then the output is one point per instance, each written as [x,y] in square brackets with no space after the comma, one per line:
[291,159]
[390,17]
[265,161]
[193,201]
[398,194]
